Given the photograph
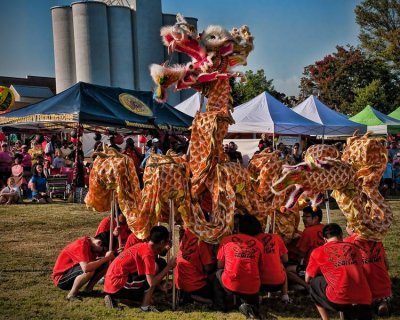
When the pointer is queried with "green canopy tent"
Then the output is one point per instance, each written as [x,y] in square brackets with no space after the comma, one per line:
[376,121]
[395,114]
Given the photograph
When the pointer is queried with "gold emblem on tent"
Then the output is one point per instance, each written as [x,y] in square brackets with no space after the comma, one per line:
[134,105]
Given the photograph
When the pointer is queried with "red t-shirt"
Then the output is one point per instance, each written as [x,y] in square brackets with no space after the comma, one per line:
[192,256]
[373,256]
[310,239]
[105,226]
[241,255]
[131,241]
[74,253]
[139,258]
[273,272]
[341,265]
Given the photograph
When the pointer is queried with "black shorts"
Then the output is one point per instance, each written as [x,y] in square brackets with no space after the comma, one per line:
[68,277]
[204,292]
[133,289]
[271,287]
[318,295]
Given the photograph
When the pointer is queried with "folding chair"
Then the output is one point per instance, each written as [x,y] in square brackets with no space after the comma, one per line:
[57,186]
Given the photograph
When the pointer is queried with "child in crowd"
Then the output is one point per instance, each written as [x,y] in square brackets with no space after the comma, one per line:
[11,193]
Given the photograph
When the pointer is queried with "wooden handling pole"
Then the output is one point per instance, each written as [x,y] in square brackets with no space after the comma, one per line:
[116,210]
[172,229]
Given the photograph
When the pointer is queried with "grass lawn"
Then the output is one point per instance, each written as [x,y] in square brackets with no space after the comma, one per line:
[32,236]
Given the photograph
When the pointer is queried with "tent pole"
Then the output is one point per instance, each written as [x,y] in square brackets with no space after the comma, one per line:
[328,211]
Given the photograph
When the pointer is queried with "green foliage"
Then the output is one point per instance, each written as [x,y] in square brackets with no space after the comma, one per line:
[337,77]
[254,84]
[373,95]
[379,22]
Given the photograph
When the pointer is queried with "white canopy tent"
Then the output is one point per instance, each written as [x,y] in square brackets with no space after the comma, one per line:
[191,105]
[266,114]
[334,123]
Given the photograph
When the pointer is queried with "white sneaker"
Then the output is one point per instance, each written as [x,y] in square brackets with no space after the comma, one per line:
[149,308]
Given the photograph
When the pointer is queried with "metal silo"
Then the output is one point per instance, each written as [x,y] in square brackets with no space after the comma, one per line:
[121,48]
[64,55]
[147,21]
[91,42]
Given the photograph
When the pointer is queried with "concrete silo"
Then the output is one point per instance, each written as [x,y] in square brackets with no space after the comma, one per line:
[91,42]
[148,49]
[121,47]
[64,48]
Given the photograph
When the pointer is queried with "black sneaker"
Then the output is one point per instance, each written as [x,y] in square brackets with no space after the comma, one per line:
[384,309]
[110,302]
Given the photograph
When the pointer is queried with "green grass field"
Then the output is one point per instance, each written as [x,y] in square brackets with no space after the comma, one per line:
[32,236]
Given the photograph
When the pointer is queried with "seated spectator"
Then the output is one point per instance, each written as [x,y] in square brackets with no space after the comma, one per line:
[17,171]
[375,266]
[120,233]
[273,273]
[65,149]
[239,263]
[6,161]
[80,263]
[265,140]
[310,239]
[38,185]
[46,168]
[10,194]
[342,285]
[387,178]
[58,161]
[135,273]
[194,263]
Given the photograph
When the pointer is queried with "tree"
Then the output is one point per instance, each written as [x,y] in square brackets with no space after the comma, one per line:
[255,84]
[336,77]
[373,95]
[379,22]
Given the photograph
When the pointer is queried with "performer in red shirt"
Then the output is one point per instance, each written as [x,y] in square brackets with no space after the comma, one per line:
[133,275]
[195,261]
[273,273]
[375,267]
[343,285]
[310,239]
[239,263]
[131,241]
[76,265]
[122,231]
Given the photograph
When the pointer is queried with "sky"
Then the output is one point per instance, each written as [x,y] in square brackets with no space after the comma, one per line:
[289,34]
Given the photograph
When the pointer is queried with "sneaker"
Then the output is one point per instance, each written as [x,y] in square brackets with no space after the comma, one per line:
[149,308]
[383,309]
[249,311]
[286,300]
[110,302]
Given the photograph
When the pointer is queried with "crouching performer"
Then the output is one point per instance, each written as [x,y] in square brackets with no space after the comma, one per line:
[82,262]
[136,272]
[342,285]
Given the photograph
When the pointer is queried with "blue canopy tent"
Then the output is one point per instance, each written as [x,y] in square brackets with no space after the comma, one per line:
[334,123]
[264,113]
[97,107]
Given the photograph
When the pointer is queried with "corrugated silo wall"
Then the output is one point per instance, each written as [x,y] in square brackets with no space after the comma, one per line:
[91,42]
[64,54]
[148,49]
[121,47]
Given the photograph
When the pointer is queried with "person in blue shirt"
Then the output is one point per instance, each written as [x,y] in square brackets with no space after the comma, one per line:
[154,149]
[38,185]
